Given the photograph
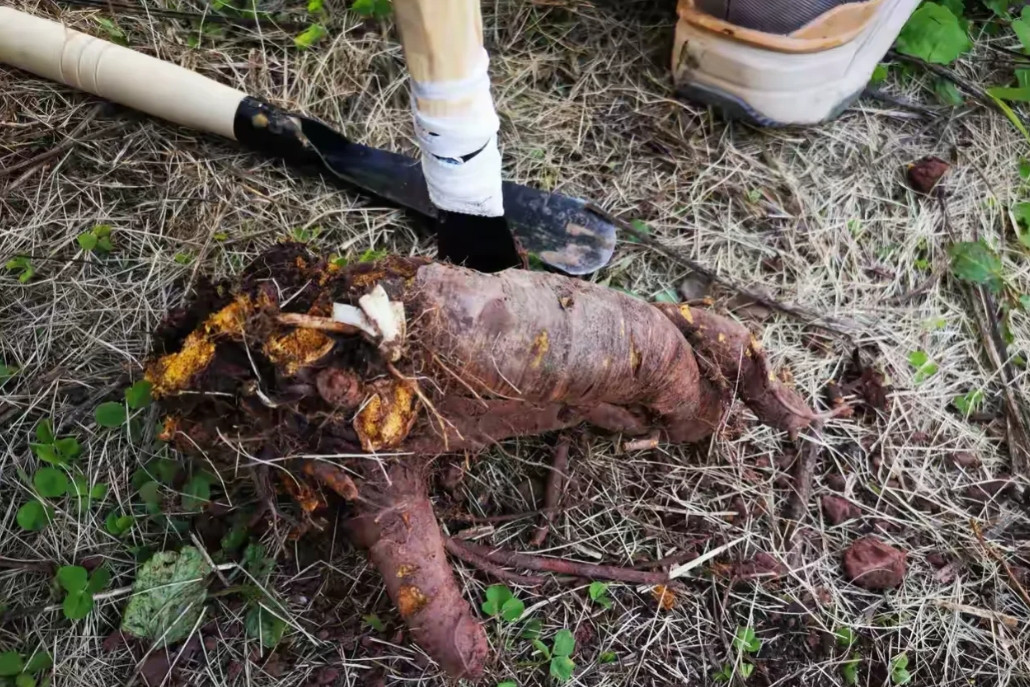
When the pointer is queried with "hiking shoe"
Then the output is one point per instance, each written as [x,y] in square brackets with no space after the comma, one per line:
[780,62]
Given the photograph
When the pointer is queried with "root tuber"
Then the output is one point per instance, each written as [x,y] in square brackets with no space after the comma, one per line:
[473,359]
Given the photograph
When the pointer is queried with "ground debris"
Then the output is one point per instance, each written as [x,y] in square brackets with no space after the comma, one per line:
[873,564]
[925,173]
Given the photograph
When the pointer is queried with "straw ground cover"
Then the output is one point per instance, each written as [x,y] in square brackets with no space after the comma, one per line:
[820,217]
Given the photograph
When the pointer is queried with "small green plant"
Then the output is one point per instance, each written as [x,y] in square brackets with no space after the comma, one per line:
[371,255]
[558,656]
[531,629]
[598,592]
[138,395]
[12,665]
[97,239]
[849,670]
[899,670]
[305,234]
[196,493]
[499,601]
[745,641]
[23,266]
[51,449]
[934,34]
[80,586]
[373,9]
[845,637]
[263,624]
[969,403]
[607,657]
[924,367]
[373,621]
[310,36]
[977,263]
[182,258]
[508,683]
[114,33]
[110,414]
[50,482]
[6,372]
[667,296]
[113,414]
[118,524]
[34,516]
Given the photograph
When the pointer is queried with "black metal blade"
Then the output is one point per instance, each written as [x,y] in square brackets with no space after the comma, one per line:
[563,232]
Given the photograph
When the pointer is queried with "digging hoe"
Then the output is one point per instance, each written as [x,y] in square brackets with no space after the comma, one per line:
[567,234]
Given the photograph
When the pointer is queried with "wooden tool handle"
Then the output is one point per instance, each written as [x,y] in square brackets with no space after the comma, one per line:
[442,41]
[54,51]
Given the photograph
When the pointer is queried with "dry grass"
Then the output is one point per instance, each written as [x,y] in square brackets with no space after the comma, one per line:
[820,217]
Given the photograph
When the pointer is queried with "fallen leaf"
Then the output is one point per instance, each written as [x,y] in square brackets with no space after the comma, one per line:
[168,596]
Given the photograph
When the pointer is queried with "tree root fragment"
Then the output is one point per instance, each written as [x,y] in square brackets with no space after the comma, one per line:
[555,482]
[486,357]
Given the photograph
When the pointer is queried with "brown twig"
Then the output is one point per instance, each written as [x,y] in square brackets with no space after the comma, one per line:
[645,444]
[207,18]
[801,493]
[877,94]
[1013,579]
[561,566]
[945,73]
[456,547]
[509,517]
[70,140]
[810,317]
[324,324]
[555,482]
[985,317]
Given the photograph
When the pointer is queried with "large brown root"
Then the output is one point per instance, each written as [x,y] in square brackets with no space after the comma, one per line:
[398,527]
[485,357]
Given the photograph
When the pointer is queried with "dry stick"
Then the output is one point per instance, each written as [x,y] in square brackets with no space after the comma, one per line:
[561,566]
[797,506]
[204,18]
[69,141]
[1013,578]
[324,324]
[509,517]
[986,319]
[814,319]
[877,94]
[456,547]
[1003,618]
[555,482]
[945,73]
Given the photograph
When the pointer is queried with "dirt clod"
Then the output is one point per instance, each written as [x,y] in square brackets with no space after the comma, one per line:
[990,491]
[874,565]
[925,174]
[967,460]
[838,510]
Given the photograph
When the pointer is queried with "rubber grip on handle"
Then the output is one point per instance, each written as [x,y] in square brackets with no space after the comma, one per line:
[54,51]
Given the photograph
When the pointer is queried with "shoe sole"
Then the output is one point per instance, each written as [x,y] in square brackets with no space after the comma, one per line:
[774,88]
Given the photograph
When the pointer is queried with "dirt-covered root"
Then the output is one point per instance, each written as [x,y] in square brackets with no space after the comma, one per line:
[739,358]
[397,525]
[545,339]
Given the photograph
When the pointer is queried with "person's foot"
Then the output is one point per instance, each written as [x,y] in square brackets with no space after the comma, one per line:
[779,62]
